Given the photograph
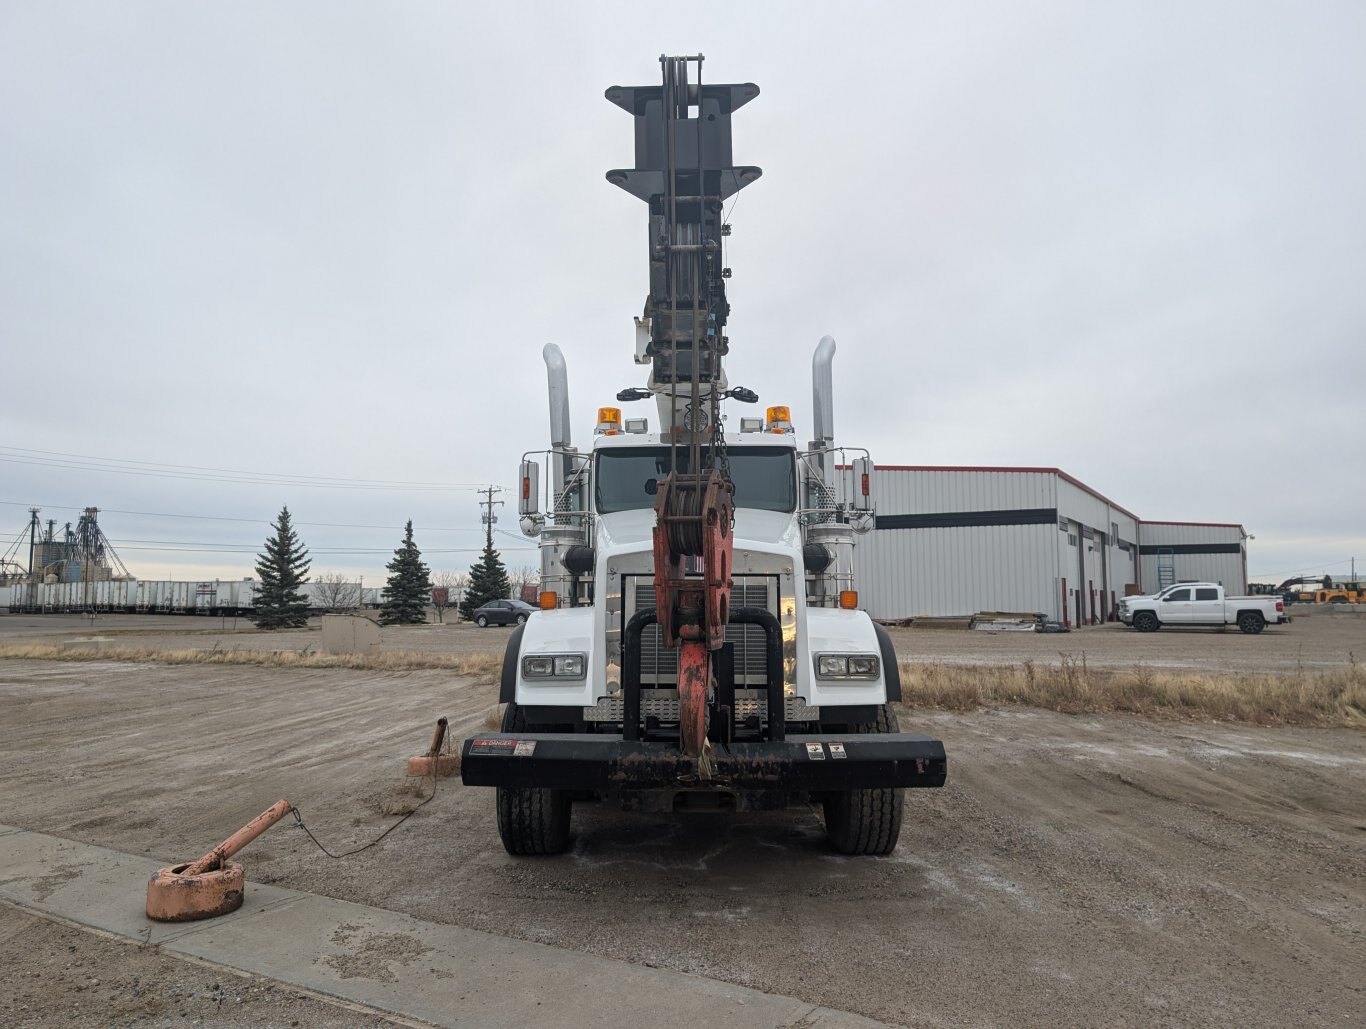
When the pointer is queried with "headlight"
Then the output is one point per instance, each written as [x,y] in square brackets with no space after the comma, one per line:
[847,666]
[554,666]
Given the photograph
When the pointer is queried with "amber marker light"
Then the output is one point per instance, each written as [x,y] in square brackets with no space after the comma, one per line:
[549,600]
[848,599]
[609,421]
[779,419]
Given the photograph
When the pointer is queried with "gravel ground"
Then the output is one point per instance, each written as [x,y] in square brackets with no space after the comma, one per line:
[1077,870]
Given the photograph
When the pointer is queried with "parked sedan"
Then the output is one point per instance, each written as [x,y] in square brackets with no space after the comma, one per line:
[502,612]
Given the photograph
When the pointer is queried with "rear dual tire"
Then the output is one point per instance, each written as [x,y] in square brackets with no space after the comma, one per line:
[866,822]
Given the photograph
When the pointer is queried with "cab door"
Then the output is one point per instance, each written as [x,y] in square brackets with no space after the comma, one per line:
[1207,608]
[1175,606]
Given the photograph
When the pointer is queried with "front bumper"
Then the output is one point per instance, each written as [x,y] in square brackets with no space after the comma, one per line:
[815,763]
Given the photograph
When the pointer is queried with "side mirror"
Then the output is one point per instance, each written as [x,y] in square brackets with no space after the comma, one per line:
[862,499]
[529,489]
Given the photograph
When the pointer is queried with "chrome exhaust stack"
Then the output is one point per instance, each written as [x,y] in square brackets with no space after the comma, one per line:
[823,404]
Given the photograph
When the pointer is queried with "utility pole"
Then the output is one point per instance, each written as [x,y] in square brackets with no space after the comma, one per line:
[488,504]
[32,540]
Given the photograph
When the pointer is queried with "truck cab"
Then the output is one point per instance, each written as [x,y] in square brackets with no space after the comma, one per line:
[597,577]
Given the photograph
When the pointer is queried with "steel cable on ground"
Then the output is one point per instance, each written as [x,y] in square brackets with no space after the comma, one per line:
[299,821]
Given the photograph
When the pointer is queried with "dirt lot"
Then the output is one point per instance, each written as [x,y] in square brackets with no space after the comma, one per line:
[1076,870]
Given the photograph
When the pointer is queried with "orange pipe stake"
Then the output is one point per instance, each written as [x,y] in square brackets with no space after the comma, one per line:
[438,738]
[215,858]
[213,885]
[434,762]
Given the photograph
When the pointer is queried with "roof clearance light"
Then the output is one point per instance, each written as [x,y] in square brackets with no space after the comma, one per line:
[609,421]
[779,419]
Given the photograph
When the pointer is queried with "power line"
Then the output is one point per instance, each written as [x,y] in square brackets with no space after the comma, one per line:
[249,521]
[196,473]
[358,551]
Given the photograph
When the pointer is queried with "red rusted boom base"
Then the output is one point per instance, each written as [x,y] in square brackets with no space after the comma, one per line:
[693,520]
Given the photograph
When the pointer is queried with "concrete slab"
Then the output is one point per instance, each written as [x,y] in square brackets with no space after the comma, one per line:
[441,974]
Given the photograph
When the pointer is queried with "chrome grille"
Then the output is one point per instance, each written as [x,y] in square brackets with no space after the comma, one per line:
[663,705]
[658,665]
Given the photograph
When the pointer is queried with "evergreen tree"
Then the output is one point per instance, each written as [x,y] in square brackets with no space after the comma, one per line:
[283,568]
[488,581]
[410,586]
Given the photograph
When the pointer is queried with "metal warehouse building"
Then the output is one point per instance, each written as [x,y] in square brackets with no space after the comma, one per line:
[952,541]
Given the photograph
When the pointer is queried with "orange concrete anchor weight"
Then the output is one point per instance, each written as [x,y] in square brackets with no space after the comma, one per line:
[213,885]
[434,762]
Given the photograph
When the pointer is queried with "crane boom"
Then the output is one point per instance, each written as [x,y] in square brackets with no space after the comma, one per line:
[684,173]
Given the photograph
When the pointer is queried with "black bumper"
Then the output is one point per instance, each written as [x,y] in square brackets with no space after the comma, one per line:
[575,761]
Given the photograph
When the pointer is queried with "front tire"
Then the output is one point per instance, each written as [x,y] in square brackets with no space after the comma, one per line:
[866,822]
[1146,621]
[532,821]
[1251,622]
[482,621]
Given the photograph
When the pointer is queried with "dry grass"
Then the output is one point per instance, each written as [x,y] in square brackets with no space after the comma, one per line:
[1336,697]
[493,720]
[479,666]
[405,799]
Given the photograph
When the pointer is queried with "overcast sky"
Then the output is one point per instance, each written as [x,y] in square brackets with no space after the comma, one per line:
[326,241]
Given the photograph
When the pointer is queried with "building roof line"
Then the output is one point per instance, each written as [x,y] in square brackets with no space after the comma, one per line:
[1196,525]
[1001,468]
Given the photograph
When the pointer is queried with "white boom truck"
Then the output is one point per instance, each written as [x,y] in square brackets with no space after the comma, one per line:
[699,641]
[1201,603]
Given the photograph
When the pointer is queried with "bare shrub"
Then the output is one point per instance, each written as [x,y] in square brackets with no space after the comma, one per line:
[333,591]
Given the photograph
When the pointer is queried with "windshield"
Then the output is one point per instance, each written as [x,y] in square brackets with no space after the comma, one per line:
[628,479]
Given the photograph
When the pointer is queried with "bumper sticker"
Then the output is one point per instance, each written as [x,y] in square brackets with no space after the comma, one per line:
[524,748]
[815,752]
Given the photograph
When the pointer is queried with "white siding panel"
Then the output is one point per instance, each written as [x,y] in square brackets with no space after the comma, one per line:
[904,573]
[905,491]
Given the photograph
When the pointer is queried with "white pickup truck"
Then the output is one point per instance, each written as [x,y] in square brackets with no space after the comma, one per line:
[1201,603]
